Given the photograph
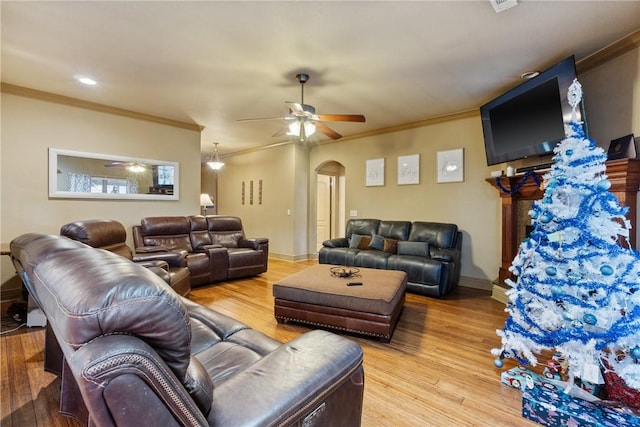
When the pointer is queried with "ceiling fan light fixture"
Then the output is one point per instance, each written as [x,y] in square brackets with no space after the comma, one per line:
[214,162]
[136,168]
[294,129]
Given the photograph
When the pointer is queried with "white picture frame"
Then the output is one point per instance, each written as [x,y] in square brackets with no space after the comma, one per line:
[375,173]
[409,169]
[450,165]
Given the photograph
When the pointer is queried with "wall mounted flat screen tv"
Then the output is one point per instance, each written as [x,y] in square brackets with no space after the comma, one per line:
[529,120]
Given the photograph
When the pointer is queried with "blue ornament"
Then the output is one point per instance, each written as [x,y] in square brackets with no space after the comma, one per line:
[635,352]
[498,363]
[569,152]
[547,200]
[551,270]
[556,290]
[545,218]
[606,270]
[604,184]
[589,319]
[533,214]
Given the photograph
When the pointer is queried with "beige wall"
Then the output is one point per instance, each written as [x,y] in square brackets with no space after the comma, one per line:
[612,97]
[282,215]
[472,204]
[30,127]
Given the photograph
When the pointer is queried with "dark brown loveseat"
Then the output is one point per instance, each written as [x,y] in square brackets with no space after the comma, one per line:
[216,245]
[429,252]
[135,353]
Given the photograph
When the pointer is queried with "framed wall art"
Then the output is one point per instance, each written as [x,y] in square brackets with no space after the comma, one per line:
[375,172]
[451,165]
[409,169]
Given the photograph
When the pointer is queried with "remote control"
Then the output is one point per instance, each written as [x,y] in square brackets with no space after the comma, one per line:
[354,284]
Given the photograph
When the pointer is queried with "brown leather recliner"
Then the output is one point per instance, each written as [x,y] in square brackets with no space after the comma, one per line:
[111,235]
[217,247]
[138,354]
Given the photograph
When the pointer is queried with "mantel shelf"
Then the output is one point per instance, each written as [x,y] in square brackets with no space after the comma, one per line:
[624,175]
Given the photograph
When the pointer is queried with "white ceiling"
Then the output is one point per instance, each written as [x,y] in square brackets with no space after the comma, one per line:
[214,62]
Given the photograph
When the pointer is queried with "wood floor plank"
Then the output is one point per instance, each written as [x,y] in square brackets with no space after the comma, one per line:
[436,371]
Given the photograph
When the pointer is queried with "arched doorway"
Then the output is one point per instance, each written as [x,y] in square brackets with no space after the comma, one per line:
[330,216]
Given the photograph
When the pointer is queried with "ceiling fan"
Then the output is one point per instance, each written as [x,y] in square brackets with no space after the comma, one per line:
[302,120]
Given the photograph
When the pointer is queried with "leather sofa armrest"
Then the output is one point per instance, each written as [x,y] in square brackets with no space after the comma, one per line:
[109,367]
[445,254]
[161,271]
[175,258]
[154,263]
[253,243]
[206,248]
[288,381]
[339,242]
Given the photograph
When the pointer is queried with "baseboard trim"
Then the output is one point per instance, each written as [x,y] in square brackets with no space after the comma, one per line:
[293,258]
[499,293]
[475,283]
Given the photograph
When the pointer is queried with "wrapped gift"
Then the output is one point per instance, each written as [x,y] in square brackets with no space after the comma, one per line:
[556,368]
[556,408]
[522,378]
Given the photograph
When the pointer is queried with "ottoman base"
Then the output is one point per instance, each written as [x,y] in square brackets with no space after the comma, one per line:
[316,296]
[375,325]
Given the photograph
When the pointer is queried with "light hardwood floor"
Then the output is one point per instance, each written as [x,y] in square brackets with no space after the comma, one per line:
[436,371]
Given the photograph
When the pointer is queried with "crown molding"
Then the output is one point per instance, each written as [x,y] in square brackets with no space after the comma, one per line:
[607,53]
[87,105]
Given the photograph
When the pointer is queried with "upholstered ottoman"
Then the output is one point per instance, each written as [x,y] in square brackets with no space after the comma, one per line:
[314,296]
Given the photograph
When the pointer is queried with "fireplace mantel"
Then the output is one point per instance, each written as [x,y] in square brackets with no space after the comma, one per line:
[624,175]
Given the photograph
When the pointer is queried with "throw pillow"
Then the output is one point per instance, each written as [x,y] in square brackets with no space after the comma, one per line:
[364,242]
[354,241]
[414,248]
[377,242]
[390,245]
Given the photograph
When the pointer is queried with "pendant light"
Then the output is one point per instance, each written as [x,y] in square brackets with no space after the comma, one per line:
[214,162]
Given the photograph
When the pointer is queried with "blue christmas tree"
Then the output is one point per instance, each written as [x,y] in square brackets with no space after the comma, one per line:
[577,289]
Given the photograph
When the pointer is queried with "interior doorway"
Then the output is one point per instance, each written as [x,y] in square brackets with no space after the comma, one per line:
[329,202]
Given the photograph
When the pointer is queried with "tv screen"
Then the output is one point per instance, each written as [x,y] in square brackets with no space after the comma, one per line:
[529,119]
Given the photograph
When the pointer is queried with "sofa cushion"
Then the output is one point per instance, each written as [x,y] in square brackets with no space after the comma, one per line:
[414,248]
[354,241]
[377,242]
[390,245]
[398,230]
[226,239]
[437,234]
[364,242]
[364,227]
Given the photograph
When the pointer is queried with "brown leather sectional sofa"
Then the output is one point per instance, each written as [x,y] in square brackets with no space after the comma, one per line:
[216,245]
[131,352]
[111,235]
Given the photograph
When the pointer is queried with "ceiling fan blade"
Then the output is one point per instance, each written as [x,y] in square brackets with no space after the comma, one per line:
[281,132]
[341,117]
[295,108]
[327,131]
[263,118]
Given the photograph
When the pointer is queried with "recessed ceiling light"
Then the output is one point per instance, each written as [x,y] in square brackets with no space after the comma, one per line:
[86,80]
[529,74]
